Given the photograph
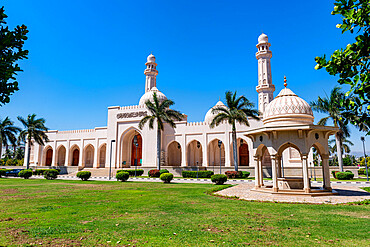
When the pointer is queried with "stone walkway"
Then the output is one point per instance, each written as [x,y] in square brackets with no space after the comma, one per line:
[346,194]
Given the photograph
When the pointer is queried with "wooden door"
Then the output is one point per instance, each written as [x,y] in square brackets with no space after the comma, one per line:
[139,148]
[244,155]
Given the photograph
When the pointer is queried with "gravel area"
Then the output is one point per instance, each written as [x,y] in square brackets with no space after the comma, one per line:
[346,194]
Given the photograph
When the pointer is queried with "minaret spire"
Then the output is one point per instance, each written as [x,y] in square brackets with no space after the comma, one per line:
[151,73]
[265,88]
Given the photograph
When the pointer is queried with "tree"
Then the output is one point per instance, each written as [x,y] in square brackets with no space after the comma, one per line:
[9,154]
[237,110]
[345,145]
[11,51]
[19,154]
[352,63]
[7,133]
[161,113]
[34,129]
[332,106]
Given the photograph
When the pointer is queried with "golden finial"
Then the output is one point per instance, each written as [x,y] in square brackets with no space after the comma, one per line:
[285,84]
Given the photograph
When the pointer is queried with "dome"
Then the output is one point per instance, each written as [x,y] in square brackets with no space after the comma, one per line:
[209,116]
[263,38]
[149,96]
[287,109]
[151,58]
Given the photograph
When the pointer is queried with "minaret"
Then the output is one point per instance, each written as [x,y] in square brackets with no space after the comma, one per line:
[151,73]
[265,88]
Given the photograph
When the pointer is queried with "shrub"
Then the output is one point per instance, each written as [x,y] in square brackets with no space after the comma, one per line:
[84,175]
[349,171]
[154,173]
[234,174]
[51,174]
[20,162]
[39,171]
[161,171]
[122,176]
[11,162]
[246,174]
[193,174]
[219,179]
[362,171]
[26,174]
[166,177]
[131,172]
[2,172]
[344,175]
[334,173]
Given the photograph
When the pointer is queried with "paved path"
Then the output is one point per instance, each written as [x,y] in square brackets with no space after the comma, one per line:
[346,194]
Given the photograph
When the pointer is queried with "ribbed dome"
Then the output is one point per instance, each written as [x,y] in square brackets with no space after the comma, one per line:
[209,115]
[150,58]
[149,96]
[287,109]
[263,38]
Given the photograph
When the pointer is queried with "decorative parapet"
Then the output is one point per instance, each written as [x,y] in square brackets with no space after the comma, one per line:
[74,131]
[132,107]
[196,123]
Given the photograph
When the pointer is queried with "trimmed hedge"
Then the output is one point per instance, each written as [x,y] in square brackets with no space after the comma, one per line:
[51,174]
[193,174]
[234,174]
[154,173]
[161,171]
[2,172]
[334,173]
[122,176]
[84,175]
[246,174]
[131,172]
[39,171]
[219,179]
[344,175]
[26,174]
[166,177]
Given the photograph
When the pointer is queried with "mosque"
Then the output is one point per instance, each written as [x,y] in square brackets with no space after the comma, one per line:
[282,140]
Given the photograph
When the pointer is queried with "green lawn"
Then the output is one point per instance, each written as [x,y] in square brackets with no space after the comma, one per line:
[92,213]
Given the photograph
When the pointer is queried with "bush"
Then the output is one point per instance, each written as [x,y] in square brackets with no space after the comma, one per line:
[193,174]
[84,175]
[349,171]
[26,174]
[154,173]
[334,173]
[246,174]
[51,174]
[166,177]
[122,176]
[20,162]
[2,172]
[131,172]
[161,171]
[344,175]
[39,171]
[219,179]
[234,174]
[362,171]
[11,162]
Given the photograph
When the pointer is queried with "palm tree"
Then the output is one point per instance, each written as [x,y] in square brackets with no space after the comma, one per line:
[161,113]
[331,106]
[237,110]
[345,145]
[7,133]
[34,129]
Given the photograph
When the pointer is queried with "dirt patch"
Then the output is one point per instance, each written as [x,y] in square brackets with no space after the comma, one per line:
[10,191]
[214,229]
[354,214]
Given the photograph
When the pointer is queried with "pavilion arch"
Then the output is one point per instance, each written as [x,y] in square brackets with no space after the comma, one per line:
[88,159]
[48,155]
[102,152]
[61,155]
[242,152]
[287,145]
[129,153]
[74,155]
[194,154]
[174,152]
[214,158]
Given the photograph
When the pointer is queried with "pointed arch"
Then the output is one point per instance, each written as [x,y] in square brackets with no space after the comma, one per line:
[74,155]
[88,159]
[214,152]
[128,152]
[194,154]
[61,155]
[174,152]
[102,151]
[48,155]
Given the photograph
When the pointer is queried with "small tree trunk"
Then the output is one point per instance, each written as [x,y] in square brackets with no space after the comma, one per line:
[159,148]
[1,149]
[235,153]
[28,154]
[339,151]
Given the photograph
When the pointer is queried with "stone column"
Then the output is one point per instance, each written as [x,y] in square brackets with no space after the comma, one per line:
[274,173]
[96,151]
[306,179]
[82,153]
[54,160]
[260,170]
[326,172]
[184,150]
[257,172]
[278,161]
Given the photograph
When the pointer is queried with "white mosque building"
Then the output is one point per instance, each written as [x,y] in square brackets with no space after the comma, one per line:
[286,133]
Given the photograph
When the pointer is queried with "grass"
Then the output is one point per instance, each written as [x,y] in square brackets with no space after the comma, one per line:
[97,213]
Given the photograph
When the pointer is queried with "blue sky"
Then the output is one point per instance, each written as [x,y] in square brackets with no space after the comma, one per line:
[88,55]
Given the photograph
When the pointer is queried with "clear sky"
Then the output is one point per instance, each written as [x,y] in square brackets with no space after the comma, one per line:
[88,55]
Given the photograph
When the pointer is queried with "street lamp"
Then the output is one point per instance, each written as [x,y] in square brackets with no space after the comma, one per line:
[219,146]
[198,146]
[363,143]
[135,161]
[110,161]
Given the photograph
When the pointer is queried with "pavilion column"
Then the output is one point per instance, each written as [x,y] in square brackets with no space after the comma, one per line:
[306,179]
[326,172]
[96,152]
[257,174]
[274,173]
[260,170]
[278,161]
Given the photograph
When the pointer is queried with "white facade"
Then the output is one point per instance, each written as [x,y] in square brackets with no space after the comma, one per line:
[189,144]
